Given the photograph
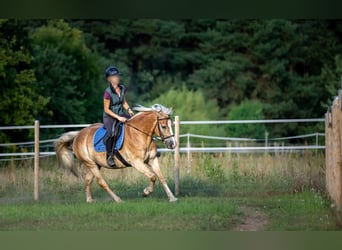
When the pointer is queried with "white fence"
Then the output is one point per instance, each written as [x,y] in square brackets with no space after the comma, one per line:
[37,144]
[267,147]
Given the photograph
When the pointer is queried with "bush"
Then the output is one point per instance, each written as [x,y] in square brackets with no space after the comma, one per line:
[247,110]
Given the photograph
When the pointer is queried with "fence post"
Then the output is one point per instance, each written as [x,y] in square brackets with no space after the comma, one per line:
[337,152]
[188,154]
[266,140]
[328,152]
[333,153]
[176,155]
[36,160]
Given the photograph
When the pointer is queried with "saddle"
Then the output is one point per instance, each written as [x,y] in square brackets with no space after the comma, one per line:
[100,134]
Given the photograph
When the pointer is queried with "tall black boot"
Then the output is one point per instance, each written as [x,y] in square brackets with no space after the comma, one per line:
[109,149]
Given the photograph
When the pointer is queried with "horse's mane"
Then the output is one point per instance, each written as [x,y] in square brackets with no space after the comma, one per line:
[155,107]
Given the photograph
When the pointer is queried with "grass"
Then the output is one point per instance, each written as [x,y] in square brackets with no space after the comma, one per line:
[288,188]
[142,214]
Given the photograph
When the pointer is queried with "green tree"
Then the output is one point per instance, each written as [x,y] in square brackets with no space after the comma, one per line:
[278,62]
[68,73]
[192,105]
[227,80]
[20,102]
[332,77]
[247,110]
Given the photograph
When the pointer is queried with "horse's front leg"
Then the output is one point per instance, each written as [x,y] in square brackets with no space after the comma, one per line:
[144,168]
[150,189]
[156,169]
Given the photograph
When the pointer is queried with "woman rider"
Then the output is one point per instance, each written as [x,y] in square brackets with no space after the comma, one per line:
[114,103]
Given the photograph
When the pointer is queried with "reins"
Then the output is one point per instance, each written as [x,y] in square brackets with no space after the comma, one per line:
[162,138]
[138,129]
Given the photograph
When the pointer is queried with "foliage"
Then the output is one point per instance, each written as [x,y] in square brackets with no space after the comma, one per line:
[212,169]
[20,102]
[292,67]
[67,73]
[192,105]
[247,110]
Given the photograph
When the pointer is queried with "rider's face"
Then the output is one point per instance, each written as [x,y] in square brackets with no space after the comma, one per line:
[114,80]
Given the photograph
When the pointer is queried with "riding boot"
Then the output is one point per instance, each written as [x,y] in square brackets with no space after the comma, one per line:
[109,149]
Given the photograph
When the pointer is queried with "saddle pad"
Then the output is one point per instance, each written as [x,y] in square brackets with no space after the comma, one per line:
[100,133]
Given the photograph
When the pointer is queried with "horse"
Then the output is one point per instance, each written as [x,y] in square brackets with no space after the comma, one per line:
[138,150]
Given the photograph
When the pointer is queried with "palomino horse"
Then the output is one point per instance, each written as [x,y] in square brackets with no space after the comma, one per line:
[138,149]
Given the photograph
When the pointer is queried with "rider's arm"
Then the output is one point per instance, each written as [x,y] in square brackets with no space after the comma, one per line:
[126,106]
[106,109]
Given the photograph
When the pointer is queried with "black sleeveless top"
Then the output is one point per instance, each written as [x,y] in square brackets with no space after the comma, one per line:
[115,101]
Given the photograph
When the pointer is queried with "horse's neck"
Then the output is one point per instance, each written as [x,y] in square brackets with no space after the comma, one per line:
[145,122]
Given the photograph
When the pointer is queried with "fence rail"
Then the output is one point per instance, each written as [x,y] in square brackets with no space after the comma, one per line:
[255,149]
[242,149]
[189,135]
[270,149]
[315,120]
[253,121]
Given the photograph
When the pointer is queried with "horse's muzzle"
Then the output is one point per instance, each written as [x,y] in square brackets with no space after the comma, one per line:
[170,143]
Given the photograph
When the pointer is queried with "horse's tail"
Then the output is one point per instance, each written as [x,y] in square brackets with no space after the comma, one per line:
[64,154]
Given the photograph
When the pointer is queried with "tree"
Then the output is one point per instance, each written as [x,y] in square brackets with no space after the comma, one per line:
[192,105]
[20,101]
[67,72]
[332,77]
[247,110]
[287,65]
[227,80]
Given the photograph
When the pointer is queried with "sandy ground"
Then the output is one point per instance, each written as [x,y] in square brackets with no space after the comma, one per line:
[255,220]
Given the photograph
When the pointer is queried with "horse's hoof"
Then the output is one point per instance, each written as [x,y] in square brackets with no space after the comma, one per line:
[173,199]
[146,192]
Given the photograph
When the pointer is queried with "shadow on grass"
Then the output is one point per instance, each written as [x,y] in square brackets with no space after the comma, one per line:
[203,187]
[231,186]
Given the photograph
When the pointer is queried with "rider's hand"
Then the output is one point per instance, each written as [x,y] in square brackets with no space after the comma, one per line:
[130,112]
[122,119]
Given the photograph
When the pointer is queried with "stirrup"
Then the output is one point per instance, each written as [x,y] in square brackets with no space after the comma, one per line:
[110,161]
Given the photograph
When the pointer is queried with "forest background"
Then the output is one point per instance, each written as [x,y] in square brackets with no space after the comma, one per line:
[206,69]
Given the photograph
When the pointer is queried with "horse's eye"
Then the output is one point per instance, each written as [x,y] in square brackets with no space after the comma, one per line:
[163,126]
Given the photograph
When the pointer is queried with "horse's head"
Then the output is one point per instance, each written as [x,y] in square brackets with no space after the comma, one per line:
[163,128]
[164,125]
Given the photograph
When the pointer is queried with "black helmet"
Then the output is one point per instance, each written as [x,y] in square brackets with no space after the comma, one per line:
[112,71]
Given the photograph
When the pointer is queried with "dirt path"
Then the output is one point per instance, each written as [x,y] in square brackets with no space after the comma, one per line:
[255,220]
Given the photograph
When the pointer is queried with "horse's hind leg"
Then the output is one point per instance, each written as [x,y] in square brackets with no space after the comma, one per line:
[89,179]
[102,183]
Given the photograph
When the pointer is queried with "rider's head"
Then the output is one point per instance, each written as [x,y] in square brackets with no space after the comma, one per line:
[113,75]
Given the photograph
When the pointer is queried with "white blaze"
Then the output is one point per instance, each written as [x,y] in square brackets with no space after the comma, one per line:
[169,124]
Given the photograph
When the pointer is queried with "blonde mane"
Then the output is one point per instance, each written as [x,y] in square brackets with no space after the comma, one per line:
[155,107]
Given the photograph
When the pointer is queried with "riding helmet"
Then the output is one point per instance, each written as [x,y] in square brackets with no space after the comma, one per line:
[112,71]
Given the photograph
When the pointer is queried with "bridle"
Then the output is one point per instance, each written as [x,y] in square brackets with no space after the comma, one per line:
[162,137]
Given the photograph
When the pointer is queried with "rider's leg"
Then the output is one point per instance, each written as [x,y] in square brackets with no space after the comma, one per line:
[109,140]
[109,149]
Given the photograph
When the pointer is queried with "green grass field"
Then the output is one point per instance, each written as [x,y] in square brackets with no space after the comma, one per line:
[287,190]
